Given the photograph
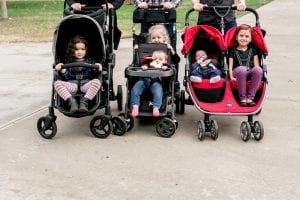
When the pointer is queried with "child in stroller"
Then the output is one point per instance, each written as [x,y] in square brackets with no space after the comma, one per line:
[101,125]
[243,64]
[157,60]
[84,78]
[162,78]
[205,67]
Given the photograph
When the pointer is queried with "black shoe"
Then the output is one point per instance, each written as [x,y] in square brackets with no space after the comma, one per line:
[83,106]
[251,103]
[73,104]
[243,103]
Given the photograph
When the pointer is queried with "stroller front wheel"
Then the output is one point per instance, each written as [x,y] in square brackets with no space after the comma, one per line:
[245,131]
[101,126]
[201,130]
[165,127]
[258,130]
[46,127]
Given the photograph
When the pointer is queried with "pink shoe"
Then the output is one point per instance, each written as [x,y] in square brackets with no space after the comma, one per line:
[135,111]
[155,112]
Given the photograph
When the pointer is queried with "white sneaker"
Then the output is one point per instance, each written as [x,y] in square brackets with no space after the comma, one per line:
[214,79]
[196,79]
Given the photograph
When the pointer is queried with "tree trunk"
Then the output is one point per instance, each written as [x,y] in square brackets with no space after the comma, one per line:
[3,8]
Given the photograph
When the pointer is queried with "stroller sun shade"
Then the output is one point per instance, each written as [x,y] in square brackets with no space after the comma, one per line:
[257,38]
[212,34]
[79,25]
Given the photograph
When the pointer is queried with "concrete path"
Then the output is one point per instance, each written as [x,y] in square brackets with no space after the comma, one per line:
[141,165]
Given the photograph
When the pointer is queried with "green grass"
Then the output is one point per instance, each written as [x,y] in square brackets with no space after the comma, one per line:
[35,20]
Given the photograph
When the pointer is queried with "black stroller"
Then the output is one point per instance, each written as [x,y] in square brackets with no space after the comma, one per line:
[101,125]
[167,124]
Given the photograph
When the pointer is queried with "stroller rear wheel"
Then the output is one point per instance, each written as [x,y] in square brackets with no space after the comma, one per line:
[119,125]
[46,127]
[258,130]
[165,127]
[129,121]
[101,126]
[245,131]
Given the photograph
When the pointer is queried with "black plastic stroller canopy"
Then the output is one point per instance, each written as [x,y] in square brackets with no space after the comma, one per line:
[79,25]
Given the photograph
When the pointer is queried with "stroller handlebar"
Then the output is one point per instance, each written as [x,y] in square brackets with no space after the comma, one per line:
[216,9]
[150,72]
[80,64]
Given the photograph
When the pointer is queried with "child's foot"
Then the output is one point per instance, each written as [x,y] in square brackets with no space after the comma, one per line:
[250,102]
[214,79]
[155,112]
[243,103]
[196,79]
[135,111]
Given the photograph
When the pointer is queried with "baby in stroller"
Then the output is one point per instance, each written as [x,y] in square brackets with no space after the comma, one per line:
[205,67]
[78,77]
[157,60]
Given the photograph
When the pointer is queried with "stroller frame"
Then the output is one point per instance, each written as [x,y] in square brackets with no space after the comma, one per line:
[225,105]
[101,125]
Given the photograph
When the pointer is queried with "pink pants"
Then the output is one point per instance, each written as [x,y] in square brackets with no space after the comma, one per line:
[65,88]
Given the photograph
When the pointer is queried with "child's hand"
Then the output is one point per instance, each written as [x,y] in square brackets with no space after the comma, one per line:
[164,67]
[144,67]
[77,6]
[99,66]
[167,5]
[58,67]
[143,5]
[109,6]
[171,49]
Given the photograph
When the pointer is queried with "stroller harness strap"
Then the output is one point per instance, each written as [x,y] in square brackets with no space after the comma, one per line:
[240,60]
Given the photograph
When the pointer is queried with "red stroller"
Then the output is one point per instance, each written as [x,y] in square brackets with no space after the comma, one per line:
[221,98]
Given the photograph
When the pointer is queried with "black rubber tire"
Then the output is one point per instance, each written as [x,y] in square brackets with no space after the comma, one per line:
[49,131]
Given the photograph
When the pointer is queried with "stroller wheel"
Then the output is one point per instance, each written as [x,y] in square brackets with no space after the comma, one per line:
[165,127]
[100,126]
[201,130]
[120,97]
[129,121]
[214,129]
[46,127]
[258,130]
[245,131]
[119,125]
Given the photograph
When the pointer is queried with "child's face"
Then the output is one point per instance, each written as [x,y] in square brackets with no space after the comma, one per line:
[157,38]
[159,57]
[201,55]
[243,37]
[80,50]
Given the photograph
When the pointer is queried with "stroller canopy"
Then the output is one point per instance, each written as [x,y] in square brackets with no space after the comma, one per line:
[204,31]
[257,38]
[79,25]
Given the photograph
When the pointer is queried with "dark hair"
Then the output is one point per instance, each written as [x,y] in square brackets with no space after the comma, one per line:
[243,27]
[72,46]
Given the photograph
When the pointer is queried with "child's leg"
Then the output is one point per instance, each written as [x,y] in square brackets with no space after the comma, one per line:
[64,89]
[157,93]
[91,88]
[256,76]
[196,76]
[136,93]
[214,74]
[240,73]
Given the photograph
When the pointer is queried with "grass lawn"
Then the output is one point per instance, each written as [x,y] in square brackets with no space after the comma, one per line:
[35,20]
